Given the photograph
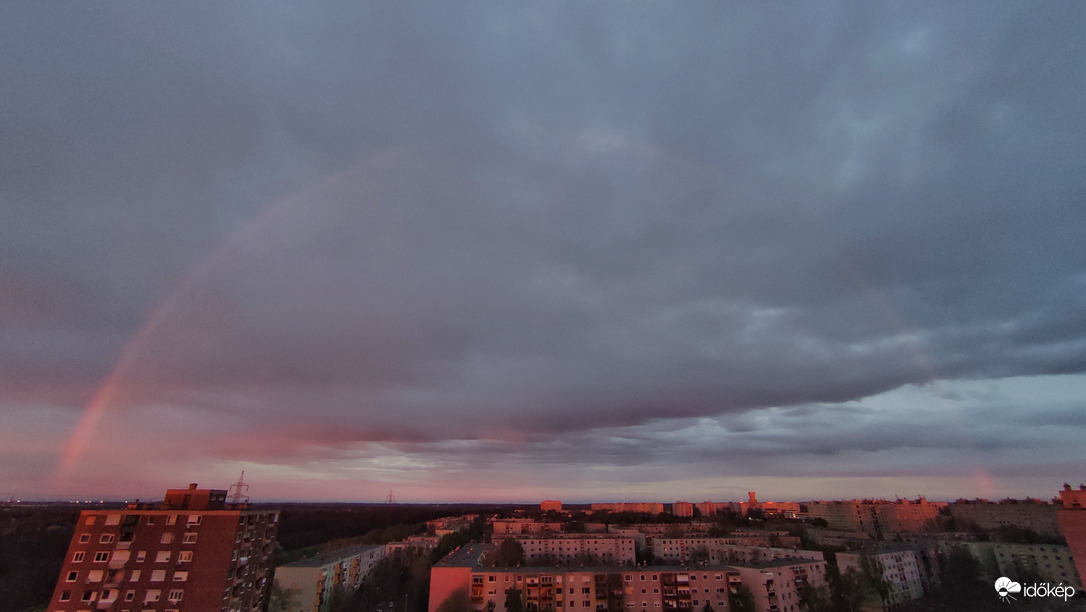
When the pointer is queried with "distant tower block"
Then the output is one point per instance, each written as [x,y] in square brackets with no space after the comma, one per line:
[752,499]
[550,504]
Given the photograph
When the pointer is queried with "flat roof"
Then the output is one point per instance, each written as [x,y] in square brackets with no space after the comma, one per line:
[334,556]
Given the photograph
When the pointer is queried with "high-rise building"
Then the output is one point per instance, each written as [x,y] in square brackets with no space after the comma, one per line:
[192,552]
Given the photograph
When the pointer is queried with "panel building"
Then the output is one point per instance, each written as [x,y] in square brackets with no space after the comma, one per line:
[193,552]
[311,581]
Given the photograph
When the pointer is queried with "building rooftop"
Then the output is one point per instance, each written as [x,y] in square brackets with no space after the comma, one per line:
[468,555]
[334,556]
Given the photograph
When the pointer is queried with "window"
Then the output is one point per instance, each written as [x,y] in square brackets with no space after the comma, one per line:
[171,519]
[195,519]
[84,538]
[163,556]
[158,575]
[184,556]
[88,596]
[180,576]
[101,557]
[135,576]
[113,519]
[71,576]
[65,595]
[175,595]
[141,555]
[152,595]
[150,520]
[190,538]
[90,520]
[129,595]
[106,538]
[77,557]
[166,538]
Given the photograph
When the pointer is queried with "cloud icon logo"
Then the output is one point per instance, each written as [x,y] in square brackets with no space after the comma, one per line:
[1005,587]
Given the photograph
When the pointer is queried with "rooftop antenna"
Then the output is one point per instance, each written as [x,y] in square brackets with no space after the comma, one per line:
[391,498]
[238,490]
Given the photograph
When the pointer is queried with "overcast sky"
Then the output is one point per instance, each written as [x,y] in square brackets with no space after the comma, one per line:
[507,251]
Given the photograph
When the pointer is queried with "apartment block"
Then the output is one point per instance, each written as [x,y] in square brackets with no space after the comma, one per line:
[682,508]
[876,518]
[649,507]
[605,548]
[552,589]
[192,552]
[1049,562]
[518,526]
[777,585]
[901,569]
[312,580]
[1033,514]
[722,550]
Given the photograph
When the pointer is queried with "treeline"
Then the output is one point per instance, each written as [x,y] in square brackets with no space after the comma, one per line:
[32,546]
[305,525]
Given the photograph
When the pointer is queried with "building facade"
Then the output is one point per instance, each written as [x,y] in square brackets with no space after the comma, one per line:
[901,570]
[583,548]
[193,552]
[1033,514]
[312,581]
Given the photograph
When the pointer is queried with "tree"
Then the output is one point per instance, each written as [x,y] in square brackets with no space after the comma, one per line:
[698,556]
[340,599]
[848,590]
[742,599]
[514,602]
[281,599]
[510,554]
[457,601]
[815,599]
[962,587]
[874,581]
[707,608]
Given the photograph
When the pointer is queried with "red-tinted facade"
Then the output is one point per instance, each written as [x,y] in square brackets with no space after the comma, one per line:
[191,553]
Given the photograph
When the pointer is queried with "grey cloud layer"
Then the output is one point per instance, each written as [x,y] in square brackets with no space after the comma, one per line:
[391,223]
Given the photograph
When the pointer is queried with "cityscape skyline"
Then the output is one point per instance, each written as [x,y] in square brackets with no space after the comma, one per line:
[504,254]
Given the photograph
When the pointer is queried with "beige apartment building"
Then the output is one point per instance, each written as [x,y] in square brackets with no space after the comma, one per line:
[311,581]
[603,548]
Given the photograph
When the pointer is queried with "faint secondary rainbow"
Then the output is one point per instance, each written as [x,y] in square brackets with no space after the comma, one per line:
[112,385]
[106,393]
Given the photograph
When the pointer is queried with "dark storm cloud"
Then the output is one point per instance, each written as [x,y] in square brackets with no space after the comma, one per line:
[521,226]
